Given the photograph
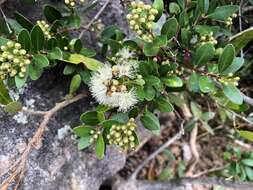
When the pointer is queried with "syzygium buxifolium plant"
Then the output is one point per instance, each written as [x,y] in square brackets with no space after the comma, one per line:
[185,48]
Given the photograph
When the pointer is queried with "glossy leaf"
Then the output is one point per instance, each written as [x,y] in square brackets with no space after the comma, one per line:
[100,147]
[203,5]
[83,142]
[23,21]
[164,105]
[235,66]
[4,95]
[159,5]
[233,94]
[206,84]
[82,131]
[204,54]
[41,61]
[226,58]
[170,28]
[51,13]
[150,121]
[173,81]
[25,40]
[37,37]
[75,84]
[223,12]
[90,118]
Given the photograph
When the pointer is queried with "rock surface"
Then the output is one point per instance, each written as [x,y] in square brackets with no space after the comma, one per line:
[57,164]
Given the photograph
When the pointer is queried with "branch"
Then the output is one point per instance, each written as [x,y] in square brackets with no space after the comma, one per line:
[18,168]
[180,184]
[94,18]
[86,27]
[159,150]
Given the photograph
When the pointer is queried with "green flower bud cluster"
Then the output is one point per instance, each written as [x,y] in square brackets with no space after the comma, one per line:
[229,20]
[45,27]
[123,135]
[230,80]
[73,3]
[94,135]
[114,85]
[208,39]
[13,60]
[141,19]
[97,26]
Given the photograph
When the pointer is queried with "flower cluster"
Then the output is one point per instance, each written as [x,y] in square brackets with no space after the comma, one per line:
[73,3]
[208,39]
[229,20]
[141,19]
[230,80]
[97,26]
[109,85]
[94,135]
[13,60]
[123,135]
[45,28]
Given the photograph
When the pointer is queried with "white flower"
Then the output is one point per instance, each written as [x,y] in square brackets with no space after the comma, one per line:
[127,100]
[125,54]
[100,83]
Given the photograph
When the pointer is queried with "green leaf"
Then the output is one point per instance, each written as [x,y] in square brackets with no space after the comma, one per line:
[150,121]
[100,147]
[246,134]
[4,95]
[37,37]
[90,118]
[56,53]
[170,28]
[24,22]
[82,131]
[203,5]
[235,66]
[207,116]
[83,142]
[25,40]
[204,54]
[174,8]
[90,63]
[247,162]
[41,61]
[206,84]
[164,105]
[193,82]
[3,41]
[173,81]
[233,94]
[223,12]
[159,5]
[241,39]
[75,83]
[69,69]
[152,48]
[51,13]
[196,110]
[207,127]
[13,107]
[35,71]
[226,58]
[249,173]
[20,82]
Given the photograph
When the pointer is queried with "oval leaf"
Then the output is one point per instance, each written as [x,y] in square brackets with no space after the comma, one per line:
[37,37]
[226,58]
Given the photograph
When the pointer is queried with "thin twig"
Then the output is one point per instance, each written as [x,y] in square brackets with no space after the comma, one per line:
[205,172]
[17,169]
[5,19]
[155,153]
[94,19]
